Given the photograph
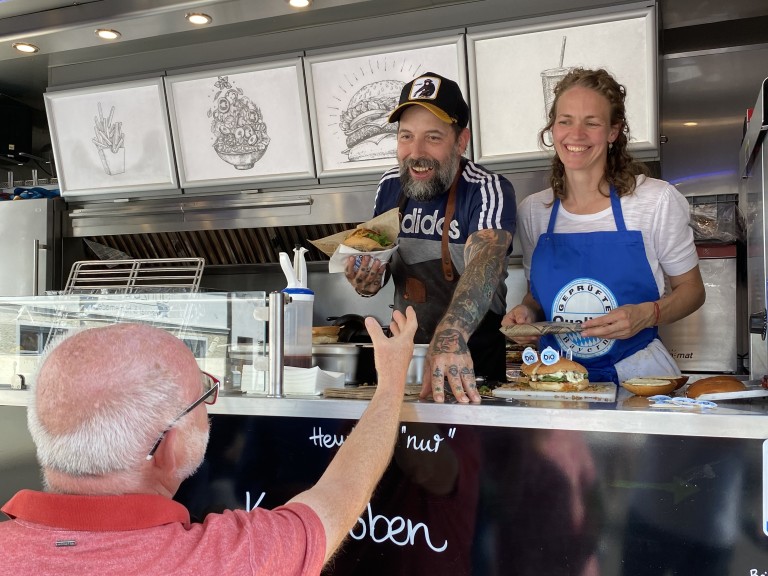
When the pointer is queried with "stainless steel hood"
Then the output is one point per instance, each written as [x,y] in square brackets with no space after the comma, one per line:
[226,229]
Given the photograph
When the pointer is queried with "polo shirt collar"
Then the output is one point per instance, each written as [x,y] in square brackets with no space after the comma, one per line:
[95,513]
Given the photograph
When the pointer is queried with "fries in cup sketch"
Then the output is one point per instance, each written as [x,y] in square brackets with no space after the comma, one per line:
[110,142]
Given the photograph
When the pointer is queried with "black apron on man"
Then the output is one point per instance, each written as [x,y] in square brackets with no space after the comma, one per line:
[428,285]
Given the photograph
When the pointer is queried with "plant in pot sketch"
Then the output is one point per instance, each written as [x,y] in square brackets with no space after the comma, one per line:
[110,142]
[238,126]
[364,122]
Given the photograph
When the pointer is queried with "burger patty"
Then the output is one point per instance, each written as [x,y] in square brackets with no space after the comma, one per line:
[367,131]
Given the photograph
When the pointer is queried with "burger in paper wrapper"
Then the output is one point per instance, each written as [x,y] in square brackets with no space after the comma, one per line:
[367,240]
[373,238]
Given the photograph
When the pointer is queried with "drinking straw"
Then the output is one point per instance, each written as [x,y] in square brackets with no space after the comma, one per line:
[562,51]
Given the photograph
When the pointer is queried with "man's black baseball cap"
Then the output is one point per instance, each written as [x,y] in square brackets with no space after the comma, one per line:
[439,95]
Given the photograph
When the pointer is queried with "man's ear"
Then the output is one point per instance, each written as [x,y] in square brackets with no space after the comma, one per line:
[464,140]
[165,456]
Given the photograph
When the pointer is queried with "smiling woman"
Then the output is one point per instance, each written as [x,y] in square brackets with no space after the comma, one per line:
[582,133]
[598,244]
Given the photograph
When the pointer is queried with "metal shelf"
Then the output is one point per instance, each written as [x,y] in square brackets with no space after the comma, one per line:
[135,276]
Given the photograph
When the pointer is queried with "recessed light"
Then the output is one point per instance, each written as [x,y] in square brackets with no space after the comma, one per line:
[690,123]
[107,34]
[25,47]
[299,3]
[198,18]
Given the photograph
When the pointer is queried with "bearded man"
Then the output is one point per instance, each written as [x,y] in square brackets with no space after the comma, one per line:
[456,229]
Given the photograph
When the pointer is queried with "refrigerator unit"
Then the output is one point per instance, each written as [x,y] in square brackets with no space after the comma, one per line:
[30,246]
[752,197]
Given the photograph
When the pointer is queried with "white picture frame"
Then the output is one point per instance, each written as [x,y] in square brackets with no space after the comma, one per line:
[509,67]
[336,80]
[247,124]
[112,139]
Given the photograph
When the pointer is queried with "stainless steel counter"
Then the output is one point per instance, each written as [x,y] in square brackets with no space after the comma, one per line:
[745,419]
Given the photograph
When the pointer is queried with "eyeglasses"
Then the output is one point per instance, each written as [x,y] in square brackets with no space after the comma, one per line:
[211,393]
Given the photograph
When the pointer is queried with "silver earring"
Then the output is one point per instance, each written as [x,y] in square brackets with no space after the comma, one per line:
[610,146]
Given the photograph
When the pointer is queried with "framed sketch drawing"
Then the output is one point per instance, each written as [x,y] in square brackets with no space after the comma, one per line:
[352,93]
[112,139]
[241,125]
[513,72]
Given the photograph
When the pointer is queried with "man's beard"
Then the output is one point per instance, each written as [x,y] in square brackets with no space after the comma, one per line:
[442,177]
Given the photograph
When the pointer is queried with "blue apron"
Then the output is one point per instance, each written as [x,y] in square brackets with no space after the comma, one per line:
[575,277]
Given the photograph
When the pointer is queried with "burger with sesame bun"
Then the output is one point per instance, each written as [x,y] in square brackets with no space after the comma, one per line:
[562,376]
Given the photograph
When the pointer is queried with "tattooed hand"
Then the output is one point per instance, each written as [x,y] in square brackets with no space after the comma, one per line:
[448,363]
[367,279]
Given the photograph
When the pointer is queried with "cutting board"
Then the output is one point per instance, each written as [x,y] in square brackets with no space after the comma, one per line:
[595,392]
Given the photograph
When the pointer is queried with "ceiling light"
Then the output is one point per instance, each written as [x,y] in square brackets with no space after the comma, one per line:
[25,47]
[198,18]
[299,3]
[690,123]
[107,34]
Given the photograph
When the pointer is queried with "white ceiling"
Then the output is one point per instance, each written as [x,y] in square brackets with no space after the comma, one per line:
[63,28]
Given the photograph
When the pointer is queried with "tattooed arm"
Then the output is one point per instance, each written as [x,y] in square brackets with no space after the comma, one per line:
[448,356]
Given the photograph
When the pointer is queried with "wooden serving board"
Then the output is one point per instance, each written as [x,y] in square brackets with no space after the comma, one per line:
[595,392]
[366,392]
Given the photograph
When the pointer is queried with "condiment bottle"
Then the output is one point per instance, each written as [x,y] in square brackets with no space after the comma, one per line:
[297,339]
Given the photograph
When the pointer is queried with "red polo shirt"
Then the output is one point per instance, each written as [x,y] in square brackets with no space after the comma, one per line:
[144,534]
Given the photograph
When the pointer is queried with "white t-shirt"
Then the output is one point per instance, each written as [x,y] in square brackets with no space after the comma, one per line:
[655,208]
[660,213]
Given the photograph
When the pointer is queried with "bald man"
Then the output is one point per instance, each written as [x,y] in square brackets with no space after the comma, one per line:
[119,421]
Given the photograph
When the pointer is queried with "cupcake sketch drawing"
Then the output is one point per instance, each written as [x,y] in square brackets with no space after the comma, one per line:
[238,126]
[110,142]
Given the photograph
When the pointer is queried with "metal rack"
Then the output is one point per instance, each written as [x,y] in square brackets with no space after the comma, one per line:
[135,276]
[149,282]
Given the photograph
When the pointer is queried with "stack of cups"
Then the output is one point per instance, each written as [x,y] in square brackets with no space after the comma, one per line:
[297,325]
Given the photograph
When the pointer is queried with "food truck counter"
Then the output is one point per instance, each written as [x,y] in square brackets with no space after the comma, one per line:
[505,487]
[629,414]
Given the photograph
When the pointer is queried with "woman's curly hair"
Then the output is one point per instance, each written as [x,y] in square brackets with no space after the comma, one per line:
[621,168]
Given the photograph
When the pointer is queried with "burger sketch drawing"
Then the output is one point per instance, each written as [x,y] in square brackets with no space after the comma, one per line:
[238,126]
[352,93]
[365,122]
